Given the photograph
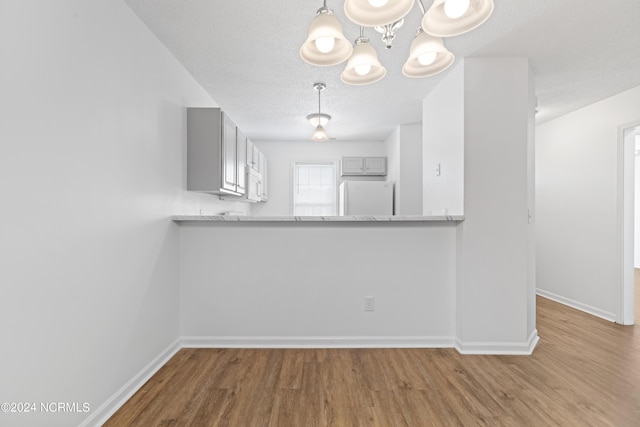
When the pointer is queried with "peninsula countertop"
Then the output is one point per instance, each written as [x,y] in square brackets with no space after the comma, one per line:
[349,218]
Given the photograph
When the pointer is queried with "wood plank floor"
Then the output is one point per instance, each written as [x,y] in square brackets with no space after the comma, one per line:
[584,372]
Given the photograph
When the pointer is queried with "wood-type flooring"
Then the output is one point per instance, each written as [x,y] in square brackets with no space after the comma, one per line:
[585,371]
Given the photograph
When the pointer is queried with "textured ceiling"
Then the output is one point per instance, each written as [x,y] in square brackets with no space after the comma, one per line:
[245,54]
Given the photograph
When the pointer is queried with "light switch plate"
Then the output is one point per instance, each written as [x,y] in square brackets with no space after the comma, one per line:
[368,303]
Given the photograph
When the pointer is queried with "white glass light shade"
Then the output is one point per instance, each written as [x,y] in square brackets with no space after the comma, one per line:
[423,45]
[364,55]
[322,27]
[362,12]
[437,23]
[318,119]
[319,134]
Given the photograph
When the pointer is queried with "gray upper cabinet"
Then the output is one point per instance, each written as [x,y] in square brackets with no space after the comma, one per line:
[352,165]
[375,165]
[215,153]
[364,166]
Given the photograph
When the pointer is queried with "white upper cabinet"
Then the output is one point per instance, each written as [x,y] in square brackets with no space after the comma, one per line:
[364,166]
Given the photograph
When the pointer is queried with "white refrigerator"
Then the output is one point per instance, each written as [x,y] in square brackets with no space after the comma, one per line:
[366,198]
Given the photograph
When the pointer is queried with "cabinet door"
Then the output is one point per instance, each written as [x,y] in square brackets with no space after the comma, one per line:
[241,152]
[375,165]
[250,159]
[256,158]
[229,155]
[265,172]
[253,186]
[352,166]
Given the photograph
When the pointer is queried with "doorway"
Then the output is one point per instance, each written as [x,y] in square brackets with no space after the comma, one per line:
[628,176]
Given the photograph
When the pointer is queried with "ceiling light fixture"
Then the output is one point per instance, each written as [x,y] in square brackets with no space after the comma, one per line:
[363,66]
[427,55]
[326,44]
[319,134]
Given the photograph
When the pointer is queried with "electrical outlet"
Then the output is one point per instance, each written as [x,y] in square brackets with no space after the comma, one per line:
[368,303]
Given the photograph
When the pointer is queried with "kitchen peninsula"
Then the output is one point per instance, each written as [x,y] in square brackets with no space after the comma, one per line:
[302,281]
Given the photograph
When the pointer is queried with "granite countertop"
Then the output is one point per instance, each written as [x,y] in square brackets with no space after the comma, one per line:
[351,218]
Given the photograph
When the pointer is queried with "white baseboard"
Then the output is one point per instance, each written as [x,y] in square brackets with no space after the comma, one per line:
[611,317]
[502,348]
[107,409]
[318,342]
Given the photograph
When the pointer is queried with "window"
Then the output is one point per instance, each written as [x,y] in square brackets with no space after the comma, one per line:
[314,189]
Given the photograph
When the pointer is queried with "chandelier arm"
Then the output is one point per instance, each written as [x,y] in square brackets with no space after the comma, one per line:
[422,7]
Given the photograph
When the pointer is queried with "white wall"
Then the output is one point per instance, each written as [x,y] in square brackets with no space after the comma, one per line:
[282,155]
[305,283]
[636,251]
[443,143]
[576,182]
[92,131]
[495,283]
[404,155]
[392,145]
[410,200]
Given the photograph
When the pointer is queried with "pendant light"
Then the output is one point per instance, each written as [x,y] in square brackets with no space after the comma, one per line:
[318,119]
[363,66]
[373,13]
[448,18]
[326,44]
[427,56]
[319,134]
